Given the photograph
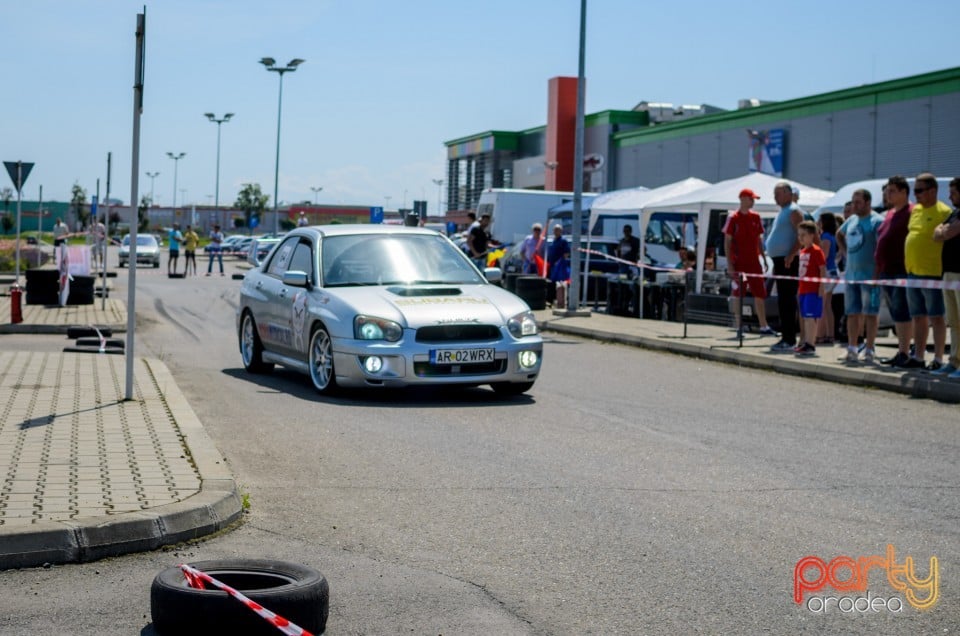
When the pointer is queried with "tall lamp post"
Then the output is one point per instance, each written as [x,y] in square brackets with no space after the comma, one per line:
[152,175]
[176,160]
[291,66]
[216,196]
[316,191]
[439,184]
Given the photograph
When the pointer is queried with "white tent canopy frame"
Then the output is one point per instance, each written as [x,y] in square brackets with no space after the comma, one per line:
[725,195]
[629,203]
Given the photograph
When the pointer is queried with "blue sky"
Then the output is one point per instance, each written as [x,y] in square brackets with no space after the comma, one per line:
[385,82]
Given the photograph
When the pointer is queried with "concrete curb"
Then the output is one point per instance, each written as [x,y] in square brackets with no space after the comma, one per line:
[913,385]
[51,328]
[215,507]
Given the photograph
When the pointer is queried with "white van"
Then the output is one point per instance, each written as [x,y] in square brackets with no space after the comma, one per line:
[875,186]
[513,212]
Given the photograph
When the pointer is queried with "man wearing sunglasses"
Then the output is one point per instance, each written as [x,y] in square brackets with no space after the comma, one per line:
[949,233]
[922,257]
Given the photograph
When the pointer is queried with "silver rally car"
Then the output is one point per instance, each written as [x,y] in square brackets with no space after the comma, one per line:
[384,306]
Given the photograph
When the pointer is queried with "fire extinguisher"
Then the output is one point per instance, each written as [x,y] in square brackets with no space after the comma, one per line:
[16,294]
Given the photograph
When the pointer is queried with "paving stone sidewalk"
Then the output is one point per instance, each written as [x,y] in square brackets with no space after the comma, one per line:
[85,474]
[110,312]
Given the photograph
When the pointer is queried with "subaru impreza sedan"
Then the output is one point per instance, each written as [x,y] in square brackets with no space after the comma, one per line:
[384,306]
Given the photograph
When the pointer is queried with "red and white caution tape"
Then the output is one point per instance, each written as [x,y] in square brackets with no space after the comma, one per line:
[103,340]
[921,283]
[196,578]
[634,264]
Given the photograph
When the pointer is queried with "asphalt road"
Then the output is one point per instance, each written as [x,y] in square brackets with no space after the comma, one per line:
[630,492]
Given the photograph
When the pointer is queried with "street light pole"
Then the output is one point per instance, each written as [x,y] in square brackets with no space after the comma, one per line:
[216,196]
[316,191]
[439,184]
[152,175]
[291,66]
[176,160]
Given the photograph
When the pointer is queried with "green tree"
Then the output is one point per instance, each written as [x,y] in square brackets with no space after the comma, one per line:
[7,195]
[252,201]
[142,221]
[78,199]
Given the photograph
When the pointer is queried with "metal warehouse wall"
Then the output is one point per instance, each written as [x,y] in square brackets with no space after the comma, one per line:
[825,151]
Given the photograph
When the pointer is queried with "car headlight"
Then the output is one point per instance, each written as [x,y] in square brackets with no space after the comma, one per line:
[372,328]
[522,325]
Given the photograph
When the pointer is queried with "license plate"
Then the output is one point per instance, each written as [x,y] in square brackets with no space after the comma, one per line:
[461,356]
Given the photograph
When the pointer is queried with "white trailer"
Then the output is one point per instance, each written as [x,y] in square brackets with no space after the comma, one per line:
[513,212]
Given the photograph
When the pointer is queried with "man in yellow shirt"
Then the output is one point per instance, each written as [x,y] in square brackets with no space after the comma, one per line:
[190,241]
[922,257]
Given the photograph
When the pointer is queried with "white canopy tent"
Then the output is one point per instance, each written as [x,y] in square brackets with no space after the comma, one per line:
[725,195]
[630,202]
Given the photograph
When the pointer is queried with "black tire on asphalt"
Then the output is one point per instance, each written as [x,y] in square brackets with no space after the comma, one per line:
[296,592]
[323,375]
[87,332]
[510,281]
[533,291]
[251,349]
[81,290]
[43,287]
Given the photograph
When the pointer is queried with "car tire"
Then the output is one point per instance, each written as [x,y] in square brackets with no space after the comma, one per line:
[532,290]
[296,592]
[511,388]
[322,373]
[251,349]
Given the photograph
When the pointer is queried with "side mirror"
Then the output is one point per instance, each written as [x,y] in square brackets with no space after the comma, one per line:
[296,278]
[493,274]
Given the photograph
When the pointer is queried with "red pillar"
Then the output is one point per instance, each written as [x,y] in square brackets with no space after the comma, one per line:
[561,132]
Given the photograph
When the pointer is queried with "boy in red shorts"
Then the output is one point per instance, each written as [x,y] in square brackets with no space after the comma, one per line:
[809,293]
[743,245]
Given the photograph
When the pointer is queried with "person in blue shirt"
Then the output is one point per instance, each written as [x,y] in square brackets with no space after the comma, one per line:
[558,256]
[857,238]
[175,237]
[782,246]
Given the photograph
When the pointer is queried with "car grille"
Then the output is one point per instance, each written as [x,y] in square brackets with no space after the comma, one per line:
[457,333]
[425,369]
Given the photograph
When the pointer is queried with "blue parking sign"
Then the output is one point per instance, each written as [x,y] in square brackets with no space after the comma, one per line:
[376,215]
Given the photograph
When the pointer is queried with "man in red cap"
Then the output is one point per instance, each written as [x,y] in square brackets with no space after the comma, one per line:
[743,245]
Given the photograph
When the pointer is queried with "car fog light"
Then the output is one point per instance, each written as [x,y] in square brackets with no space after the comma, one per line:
[373,364]
[528,359]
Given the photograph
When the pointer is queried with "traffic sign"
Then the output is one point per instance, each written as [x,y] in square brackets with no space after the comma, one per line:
[18,171]
[376,215]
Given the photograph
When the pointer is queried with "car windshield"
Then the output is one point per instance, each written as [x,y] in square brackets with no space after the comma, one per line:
[392,259]
[142,239]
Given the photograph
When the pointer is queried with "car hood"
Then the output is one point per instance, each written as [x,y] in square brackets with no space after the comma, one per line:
[420,305]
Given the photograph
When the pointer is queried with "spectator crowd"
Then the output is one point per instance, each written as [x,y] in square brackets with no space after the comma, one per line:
[917,245]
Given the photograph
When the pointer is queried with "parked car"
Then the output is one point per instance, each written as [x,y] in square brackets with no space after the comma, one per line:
[226,245]
[259,248]
[147,250]
[384,306]
[241,246]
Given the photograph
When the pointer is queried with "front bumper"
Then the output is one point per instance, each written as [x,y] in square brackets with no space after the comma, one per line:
[407,363]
